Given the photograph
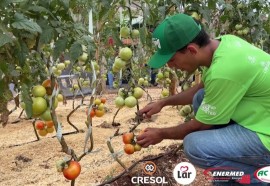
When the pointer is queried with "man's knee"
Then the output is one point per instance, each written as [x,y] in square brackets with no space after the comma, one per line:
[190,145]
[196,150]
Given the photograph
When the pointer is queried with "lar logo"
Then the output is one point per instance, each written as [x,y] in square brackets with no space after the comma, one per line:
[149,168]
[184,173]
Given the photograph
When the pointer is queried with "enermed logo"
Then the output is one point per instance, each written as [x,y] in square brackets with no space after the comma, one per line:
[149,168]
[263,174]
[184,173]
[225,174]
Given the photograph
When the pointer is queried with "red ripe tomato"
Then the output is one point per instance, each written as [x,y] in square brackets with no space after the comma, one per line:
[92,113]
[72,171]
[40,125]
[110,41]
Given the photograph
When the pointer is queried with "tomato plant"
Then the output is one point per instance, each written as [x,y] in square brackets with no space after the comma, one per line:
[38,36]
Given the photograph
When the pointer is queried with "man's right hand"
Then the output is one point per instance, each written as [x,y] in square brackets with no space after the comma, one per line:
[151,109]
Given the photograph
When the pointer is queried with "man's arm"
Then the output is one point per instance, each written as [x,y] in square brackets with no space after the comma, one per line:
[152,136]
[183,98]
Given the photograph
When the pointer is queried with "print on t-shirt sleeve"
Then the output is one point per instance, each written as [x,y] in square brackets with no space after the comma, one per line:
[220,100]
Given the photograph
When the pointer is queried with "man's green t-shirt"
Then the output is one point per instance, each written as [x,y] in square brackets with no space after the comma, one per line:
[237,87]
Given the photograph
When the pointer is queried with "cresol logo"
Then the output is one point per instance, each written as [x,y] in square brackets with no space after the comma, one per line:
[263,174]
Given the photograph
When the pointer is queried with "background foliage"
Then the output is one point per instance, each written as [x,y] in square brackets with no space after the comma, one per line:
[36,34]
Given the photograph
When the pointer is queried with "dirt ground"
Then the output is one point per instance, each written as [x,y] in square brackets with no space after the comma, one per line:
[26,161]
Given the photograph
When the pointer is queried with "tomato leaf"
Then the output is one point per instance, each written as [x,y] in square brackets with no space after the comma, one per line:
[75,51]
[60,46]
[47,31]
[26,98]
[212,4]
[23,23]
[65,3]
[4,3]
[4,39]
[21,52]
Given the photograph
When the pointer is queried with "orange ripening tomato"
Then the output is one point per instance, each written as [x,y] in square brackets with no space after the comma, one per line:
[47,84]
[129,149]
[100,113]
[103,100]
[128,137]
[49,124]
[72,171]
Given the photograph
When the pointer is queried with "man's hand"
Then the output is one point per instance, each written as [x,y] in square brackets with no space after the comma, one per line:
[151,109]
[151,136]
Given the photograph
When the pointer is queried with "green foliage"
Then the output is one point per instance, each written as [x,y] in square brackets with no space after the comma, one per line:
[22,23]
[35,34]
[75,50]
[5,39]
[26,98]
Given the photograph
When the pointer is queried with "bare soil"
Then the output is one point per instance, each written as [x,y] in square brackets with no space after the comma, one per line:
[27,161]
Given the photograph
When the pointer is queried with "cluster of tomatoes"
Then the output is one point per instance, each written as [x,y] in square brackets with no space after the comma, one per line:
[130,143]
[186,110]
[163,78]
[41,95]
[44,127]
[128,98]
[71,169]
[98,108]
[125,55]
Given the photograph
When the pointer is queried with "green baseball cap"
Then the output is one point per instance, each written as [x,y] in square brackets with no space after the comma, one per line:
[172,34]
